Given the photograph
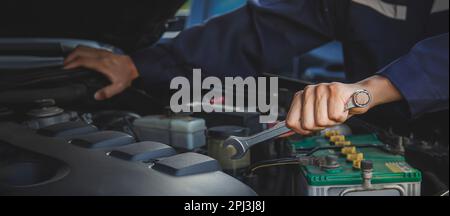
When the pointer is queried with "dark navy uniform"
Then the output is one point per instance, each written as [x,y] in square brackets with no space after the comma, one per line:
[422,76]
[264,35]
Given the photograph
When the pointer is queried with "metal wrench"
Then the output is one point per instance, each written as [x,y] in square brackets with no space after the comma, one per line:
[236,147]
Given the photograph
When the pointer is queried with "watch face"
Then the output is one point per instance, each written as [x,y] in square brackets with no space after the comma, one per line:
[362,98]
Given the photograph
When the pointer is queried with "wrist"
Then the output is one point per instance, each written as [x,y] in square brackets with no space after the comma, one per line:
[381,89]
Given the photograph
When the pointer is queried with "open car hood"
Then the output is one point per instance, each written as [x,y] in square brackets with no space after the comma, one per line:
[128,25]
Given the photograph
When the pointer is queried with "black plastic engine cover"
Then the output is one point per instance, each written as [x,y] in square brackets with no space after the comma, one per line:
[33,164]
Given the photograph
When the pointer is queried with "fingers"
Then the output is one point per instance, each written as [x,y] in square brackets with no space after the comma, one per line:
[336,103]
[108,92]
[293,119]
[82,51]
[307,118]
[287,134]
[322,120]
[318,107]
[86,62]
[119,69]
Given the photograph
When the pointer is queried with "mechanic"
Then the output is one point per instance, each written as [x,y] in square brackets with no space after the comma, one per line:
[265,35]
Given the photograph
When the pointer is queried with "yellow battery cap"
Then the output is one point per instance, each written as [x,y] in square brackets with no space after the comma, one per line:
[331,133]
[348,150]
[337,138]
[343,143]
[355,156]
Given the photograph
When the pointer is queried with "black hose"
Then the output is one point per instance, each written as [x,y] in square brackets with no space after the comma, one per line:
[60,94]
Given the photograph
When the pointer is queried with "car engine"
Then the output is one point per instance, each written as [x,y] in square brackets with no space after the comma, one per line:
[56,140]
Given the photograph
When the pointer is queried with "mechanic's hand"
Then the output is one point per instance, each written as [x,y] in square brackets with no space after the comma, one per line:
[320,106]
[119,69]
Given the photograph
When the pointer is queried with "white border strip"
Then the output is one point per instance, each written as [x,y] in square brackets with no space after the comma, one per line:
[440,6]
[389,10]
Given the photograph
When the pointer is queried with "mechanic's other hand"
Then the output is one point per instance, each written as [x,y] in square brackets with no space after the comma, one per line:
[119,69]
[324,105]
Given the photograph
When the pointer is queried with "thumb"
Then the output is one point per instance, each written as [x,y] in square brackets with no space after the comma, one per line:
[107,92]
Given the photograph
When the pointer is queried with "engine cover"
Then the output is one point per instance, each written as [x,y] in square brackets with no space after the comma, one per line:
[33,163]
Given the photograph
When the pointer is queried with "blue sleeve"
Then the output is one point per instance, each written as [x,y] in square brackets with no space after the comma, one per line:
[260,37]
[422,76]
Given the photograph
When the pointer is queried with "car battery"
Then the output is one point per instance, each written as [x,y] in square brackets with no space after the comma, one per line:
[337,171]
[182,132]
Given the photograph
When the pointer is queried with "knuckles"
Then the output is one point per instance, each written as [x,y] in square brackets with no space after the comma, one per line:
[307,125]
[309,89]
[322,122]
[338,117]
[321,90]
[336,88]
[292,123]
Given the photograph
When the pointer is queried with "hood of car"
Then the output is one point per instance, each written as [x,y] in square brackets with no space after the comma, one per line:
[129,25]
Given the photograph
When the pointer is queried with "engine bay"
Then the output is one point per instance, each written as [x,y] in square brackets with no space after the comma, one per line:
[56,140]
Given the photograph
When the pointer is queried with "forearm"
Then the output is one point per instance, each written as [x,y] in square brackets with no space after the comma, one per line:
[381,89]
